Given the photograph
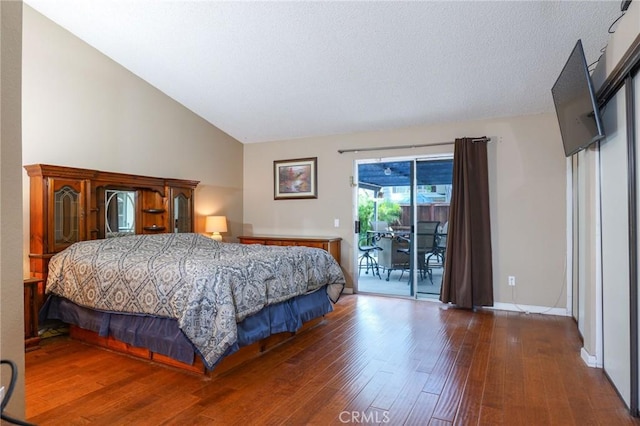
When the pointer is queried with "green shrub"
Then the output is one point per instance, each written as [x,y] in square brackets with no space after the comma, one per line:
[365,213]
[389,211]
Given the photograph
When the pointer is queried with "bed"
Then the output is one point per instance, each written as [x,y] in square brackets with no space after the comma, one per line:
[180,294]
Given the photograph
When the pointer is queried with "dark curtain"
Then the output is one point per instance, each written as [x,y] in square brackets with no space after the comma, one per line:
[468,274]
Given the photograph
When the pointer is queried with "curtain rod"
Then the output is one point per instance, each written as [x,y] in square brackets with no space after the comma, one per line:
[381,148]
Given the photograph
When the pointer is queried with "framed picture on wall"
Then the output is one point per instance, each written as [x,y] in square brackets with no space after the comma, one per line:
[295,179]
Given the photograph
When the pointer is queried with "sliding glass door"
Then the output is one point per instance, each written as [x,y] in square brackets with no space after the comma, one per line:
[385,209]
[433,195]
[403,207]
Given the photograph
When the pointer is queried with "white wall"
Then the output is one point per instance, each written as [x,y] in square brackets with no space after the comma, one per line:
[11,289]
[615,247]
[586,253]
[527,184]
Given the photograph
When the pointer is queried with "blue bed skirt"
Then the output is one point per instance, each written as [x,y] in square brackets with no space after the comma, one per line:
[162,335]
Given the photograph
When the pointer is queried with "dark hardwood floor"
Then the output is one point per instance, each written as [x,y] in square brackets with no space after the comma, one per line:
[374,360]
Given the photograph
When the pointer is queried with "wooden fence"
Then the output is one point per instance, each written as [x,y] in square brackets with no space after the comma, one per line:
[436,211]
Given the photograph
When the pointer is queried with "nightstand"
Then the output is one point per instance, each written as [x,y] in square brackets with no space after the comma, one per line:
[33,298]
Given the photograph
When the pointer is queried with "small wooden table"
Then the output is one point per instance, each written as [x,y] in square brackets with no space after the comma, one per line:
[33,298]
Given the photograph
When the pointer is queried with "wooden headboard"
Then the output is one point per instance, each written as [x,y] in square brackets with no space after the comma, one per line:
[69,204]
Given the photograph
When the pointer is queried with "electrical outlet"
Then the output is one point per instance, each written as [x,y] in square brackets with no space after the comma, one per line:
[336,223]
[512,281]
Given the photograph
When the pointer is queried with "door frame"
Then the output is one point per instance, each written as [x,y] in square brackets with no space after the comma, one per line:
[355,186]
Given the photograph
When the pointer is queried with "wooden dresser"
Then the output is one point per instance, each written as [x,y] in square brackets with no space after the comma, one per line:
[330,244]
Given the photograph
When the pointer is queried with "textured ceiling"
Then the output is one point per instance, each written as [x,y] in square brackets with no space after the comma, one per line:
[264,71]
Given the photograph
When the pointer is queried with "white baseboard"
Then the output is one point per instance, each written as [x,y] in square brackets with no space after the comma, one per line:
[530,309]
[590,360]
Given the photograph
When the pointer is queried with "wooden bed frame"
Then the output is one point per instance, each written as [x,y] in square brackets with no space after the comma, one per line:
[163,205]
[229,362]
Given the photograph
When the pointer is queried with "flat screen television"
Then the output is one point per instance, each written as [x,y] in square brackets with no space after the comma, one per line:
[576,104]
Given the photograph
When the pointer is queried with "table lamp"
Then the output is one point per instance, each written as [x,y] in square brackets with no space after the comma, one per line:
[216,225]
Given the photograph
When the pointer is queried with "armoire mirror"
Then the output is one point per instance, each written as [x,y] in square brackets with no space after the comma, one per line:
[181,213]
[120,213]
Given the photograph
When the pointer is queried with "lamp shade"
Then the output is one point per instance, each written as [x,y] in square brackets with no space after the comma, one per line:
[216,224]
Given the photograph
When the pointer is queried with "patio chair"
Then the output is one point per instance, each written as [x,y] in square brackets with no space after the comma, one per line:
[426,232]
[440,246]
[368,248]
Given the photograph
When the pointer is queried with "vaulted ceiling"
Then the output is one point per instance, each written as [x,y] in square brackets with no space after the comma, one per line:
[265,70]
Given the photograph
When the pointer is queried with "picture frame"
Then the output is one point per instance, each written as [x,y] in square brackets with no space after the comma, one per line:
[295,179]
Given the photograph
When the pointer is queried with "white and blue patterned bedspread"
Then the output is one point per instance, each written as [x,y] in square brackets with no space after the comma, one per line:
[207,286]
